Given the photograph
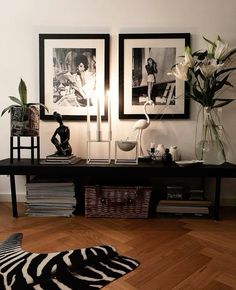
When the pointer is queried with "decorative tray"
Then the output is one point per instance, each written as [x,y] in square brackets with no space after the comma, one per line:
[189,162]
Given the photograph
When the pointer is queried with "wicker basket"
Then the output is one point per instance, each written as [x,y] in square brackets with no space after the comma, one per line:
[117,202]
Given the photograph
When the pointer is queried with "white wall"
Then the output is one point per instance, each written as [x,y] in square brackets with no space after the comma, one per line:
[22,21]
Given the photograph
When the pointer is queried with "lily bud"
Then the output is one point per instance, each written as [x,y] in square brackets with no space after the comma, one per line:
[188,59]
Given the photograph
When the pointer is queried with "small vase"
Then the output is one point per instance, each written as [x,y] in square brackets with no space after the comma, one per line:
[211,148]
[24,122]
[174,152]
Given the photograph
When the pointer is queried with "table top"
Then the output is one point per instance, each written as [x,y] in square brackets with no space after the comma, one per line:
[151,168]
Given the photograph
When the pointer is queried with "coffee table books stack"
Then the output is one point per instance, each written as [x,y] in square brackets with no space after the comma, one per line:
[60,159]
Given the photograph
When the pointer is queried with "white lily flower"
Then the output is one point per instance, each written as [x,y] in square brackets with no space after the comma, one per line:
[222,49]
[211,50]
[180,71]
[188,59]
[208,67]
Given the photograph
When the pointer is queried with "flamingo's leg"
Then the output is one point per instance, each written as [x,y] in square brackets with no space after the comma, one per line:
[140,143]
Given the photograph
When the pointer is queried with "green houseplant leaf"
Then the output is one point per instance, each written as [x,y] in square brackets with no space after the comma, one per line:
[23,92]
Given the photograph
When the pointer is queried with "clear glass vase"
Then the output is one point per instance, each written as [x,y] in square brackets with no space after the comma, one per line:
[212,147]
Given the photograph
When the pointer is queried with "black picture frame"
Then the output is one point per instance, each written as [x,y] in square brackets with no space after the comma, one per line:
[168,93]
[58,55]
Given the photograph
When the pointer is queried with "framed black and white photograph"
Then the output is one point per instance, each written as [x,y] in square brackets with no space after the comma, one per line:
[144,63]
[74,73]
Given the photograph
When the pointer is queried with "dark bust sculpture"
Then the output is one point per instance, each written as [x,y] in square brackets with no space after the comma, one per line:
[63,146]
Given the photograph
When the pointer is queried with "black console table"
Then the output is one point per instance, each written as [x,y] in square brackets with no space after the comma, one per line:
[143,172]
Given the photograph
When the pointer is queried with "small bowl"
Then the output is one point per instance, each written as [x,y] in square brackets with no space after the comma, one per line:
[126,145]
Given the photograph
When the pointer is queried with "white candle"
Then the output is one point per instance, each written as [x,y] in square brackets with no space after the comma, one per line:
[109,116]
[152,145]
[98,137]
[88,119]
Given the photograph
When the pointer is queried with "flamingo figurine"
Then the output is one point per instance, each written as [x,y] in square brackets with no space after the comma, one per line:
[142,124]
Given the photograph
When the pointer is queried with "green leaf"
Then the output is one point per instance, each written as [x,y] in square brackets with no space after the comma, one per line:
[209,41]
[198,95]
[23,92]
[202,56]
[224,71]
[223,102]
[231,52]
[229,84]
[38,104]
[16,100]
[7,109]
[219,84]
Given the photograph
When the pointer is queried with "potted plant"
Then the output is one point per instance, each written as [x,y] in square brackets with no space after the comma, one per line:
[24,116]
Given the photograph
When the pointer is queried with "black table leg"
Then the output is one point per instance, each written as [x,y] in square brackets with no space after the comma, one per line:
[13,195]
[217,198]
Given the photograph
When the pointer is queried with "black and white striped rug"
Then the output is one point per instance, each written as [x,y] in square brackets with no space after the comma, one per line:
[80,269]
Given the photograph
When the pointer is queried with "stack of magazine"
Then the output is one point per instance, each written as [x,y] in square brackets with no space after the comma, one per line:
[45,198]
[197,207]
[60,159]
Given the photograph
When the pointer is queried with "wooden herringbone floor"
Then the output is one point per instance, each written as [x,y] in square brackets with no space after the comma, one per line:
[175,253]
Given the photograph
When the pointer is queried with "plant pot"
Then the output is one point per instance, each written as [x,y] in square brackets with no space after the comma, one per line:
[24,122]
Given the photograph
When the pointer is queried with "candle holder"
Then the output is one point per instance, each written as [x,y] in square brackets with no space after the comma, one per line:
[105,144]
[126,146]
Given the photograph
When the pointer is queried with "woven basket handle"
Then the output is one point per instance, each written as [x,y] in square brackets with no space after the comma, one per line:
[125,201]
[117,203]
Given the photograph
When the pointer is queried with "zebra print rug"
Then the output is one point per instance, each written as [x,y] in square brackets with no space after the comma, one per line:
[80,269]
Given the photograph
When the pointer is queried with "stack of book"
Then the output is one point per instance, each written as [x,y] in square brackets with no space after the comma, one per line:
[60,159]
[50,198]
[197,207]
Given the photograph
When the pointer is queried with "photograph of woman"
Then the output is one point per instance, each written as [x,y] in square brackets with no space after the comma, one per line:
[74,77]
[151,68]
[150,80]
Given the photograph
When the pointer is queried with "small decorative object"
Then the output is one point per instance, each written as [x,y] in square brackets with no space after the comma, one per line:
[174,152]
[152,147]
[152,151]
[184,163]
[156,153]
[142,124]
[63,147]
[126,146]
[24,116]
[160,150]
[207,74]
[167,157]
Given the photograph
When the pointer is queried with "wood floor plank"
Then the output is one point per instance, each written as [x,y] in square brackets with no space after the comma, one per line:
[174,252]
[227,279]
